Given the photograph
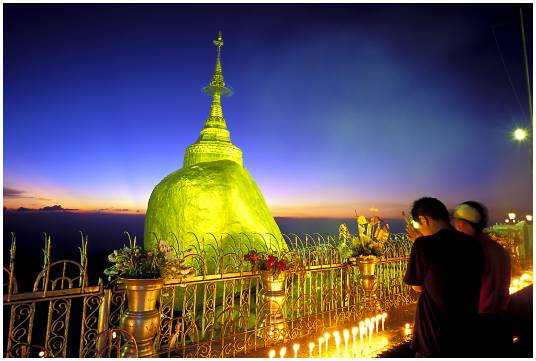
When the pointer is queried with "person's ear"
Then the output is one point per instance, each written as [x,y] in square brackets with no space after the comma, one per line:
[424,221]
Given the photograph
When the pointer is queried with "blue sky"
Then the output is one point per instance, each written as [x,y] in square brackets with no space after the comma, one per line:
[336,107]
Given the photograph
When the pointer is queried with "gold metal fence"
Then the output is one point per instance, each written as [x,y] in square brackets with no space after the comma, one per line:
[206,315]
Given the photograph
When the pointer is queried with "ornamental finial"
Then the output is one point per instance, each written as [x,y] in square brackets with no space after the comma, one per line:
[219,42]
[217,83]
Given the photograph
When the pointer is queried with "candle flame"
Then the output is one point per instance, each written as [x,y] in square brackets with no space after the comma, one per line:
[355,330]
[271,354]
[282,352]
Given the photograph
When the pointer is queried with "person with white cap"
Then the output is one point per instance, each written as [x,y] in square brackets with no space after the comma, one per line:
[495,334]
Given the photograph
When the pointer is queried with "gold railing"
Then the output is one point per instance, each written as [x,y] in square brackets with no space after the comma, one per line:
[205,315]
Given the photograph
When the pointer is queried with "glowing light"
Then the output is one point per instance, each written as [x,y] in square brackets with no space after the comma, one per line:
[378,318]
[311,348]
[371,330]
[515,281]
[407,329]
[337,341]
[320,342]
[346,335]
[41,353]
[415,224]
[355,331]
[520,134]
[282,352]
[114,334]
[326,337]
[529,217]
[271,354]
[512,216]
[507,220]
[524,277]
[362,331]
[296,347]
[384,316]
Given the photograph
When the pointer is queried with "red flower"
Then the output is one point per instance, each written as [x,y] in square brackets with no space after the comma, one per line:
[281,265]
[271,261]
[254,257]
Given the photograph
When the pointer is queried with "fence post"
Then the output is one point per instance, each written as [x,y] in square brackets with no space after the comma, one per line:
[103,323]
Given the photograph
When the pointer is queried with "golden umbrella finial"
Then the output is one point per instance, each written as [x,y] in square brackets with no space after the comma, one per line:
[217,83]
[219,42]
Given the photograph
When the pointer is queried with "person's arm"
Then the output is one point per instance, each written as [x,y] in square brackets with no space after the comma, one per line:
[415,272]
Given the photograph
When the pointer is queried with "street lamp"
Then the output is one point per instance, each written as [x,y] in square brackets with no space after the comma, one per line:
[529,217]
[506,220]
[520,134]
[512,216]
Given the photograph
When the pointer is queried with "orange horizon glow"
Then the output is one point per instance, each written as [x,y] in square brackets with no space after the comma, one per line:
[279,212]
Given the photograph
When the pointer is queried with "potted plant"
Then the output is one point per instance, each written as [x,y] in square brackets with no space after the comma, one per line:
[365,248]
[272,269]
[142,272]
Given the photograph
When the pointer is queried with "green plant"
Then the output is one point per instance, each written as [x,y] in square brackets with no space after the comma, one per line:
[370,240]
[133,261]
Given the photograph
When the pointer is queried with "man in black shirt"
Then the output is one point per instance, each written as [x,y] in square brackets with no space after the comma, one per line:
[446,267]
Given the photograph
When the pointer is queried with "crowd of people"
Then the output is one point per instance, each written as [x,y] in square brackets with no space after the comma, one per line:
[463,279]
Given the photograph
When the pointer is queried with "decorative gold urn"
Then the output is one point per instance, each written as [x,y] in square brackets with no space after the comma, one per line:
[369,281]
[142,319]
[367,267]
[274,298]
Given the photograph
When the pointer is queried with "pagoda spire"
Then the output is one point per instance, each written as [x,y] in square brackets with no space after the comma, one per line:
[214,142]
[217,89]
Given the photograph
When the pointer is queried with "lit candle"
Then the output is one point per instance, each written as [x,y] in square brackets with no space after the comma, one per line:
[355,330]
[296,347]
[384,316]
[311,347]
[361,332]
[407,329]
[346,335]
[371,329]
[337,342]
[282,352]
[326,337]
[367,323]
[271,354]
[378,318]
[320,342]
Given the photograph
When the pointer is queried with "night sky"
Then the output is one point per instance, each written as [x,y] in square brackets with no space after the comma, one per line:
[336,107]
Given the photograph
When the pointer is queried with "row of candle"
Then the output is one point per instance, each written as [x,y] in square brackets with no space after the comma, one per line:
[522,282]
[365,330]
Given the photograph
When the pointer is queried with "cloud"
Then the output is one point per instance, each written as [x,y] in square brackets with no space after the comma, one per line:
[54,208]
[17,193]
[113,210]
[12,193]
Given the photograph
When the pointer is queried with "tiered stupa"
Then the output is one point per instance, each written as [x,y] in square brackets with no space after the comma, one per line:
[212,192]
